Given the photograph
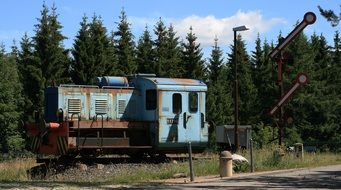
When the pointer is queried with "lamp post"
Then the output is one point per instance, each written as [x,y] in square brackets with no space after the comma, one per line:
[236,96]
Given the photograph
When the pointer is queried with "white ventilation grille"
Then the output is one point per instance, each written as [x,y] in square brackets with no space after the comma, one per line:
[74,105]
[121,106]
[101,106]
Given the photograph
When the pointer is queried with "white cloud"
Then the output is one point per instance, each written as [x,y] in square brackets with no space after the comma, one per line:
[207,27]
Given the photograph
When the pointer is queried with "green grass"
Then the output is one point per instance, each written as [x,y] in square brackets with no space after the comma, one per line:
[15,170]
[268,159]
[149,173]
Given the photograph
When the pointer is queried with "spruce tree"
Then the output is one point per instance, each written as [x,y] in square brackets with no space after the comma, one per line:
[337,49]
[93,54]
[335,81]
[53,60]
[335,67]
[265,79]
[256,60]
[160,49]
[302,105]
[322,57]
[125,46]
[112,58]
[102,61]
[31,76]
[11,103]
[256,68]
[216,62]
[82,55]
[247,89]
[219,100]
[173,66]
[192,57]
[144,55]
[327,107]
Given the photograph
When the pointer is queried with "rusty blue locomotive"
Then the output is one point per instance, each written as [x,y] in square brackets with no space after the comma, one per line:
[131,115]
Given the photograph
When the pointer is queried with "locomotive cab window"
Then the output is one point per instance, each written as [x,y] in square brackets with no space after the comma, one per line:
[193,102]
[151,99]
[177,103]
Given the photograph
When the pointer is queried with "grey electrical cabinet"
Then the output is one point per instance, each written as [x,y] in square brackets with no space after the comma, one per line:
[225,135]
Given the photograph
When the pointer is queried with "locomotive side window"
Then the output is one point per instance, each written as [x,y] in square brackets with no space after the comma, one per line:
[193,102]
[151,99]
[177,103]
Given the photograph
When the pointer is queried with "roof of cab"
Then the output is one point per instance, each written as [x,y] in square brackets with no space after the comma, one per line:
[178,84]
[176,81]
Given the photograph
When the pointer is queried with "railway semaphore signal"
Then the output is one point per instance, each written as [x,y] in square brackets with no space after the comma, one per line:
[277,55]
[309,18]
[301,79]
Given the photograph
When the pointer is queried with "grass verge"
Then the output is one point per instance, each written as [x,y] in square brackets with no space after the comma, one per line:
[268,159]
[15,170]
[150,173]
[264,159]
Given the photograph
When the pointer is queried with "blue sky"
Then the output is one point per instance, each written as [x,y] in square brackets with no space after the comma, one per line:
[208,18]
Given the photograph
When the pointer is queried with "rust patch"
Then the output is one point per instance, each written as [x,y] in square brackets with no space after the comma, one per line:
[186,81]
[117,124]
[159,100]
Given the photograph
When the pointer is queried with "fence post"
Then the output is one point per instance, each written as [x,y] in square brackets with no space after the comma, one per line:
[190,161]
[251,155]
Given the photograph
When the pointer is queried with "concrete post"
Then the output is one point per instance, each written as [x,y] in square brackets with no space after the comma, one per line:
[225,164]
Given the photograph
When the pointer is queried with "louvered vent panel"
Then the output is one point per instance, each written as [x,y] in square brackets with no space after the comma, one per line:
[74,106]
[121,106]
[101,106]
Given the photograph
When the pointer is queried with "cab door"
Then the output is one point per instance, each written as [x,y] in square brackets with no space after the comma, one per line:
[191,117]
[179,117]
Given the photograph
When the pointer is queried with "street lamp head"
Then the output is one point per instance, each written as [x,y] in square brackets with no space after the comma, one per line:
[240,28]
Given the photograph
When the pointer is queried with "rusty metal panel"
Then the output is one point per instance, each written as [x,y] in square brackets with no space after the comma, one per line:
[48,144]
[113,124]
[94,142]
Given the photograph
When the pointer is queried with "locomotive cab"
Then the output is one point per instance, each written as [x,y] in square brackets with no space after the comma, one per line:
[177,109]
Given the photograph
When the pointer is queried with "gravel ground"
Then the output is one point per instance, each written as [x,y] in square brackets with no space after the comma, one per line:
[96,172]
